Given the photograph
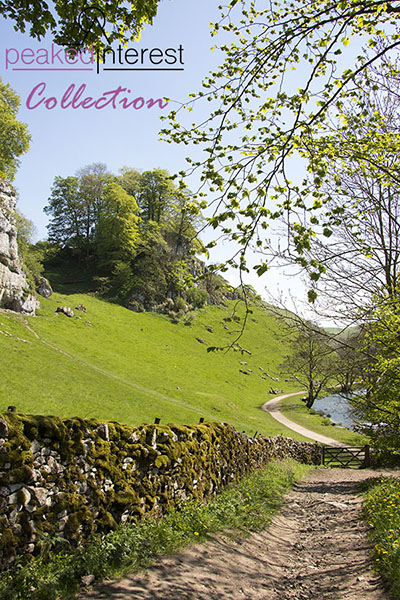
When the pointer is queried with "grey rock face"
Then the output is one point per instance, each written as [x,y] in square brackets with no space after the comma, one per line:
[44,288]
[3,429]
[65,310]
[14,292]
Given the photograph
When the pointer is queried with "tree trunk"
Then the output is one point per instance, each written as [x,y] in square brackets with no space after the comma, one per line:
[311,395]
[310,401]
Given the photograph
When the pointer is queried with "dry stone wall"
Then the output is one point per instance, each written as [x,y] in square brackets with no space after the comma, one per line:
[74,477]
[14,292]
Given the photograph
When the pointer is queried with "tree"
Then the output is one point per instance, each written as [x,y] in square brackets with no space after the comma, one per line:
[31,256]
[182,223]
[75,206]
[260,120]
[145,283]
[79,23]
[355,266]
[68,225]
[14,136]
[93,180]
[359,255]
[130,180]
[350,361]
[161,201]
[117,232]
[379,405]
[25,231]
[156,195]
[312,361]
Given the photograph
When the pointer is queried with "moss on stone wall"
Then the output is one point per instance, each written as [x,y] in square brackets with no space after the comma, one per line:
[74,477]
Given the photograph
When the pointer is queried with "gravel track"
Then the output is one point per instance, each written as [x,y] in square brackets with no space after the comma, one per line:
[272,408]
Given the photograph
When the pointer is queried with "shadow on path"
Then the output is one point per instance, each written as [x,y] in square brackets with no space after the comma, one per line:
[315,549]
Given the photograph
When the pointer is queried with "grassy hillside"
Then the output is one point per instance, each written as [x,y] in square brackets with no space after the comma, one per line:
[111,363]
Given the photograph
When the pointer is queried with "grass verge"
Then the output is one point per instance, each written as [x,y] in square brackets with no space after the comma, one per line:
[382,511]
[294,409]
[245,507]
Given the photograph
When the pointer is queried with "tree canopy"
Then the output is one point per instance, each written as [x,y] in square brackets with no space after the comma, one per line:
[312,361]
[136,231]
[354,253]
[14,136]
[117,229]
[262,117]
[379,405]
[80,23]
[75,206]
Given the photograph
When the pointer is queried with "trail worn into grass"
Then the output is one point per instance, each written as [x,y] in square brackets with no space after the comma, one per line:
[315,549]
[93,367]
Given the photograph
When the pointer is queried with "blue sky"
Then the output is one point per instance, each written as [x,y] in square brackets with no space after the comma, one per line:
[64,140]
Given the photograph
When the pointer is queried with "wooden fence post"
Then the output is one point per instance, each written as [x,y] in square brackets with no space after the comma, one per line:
[367,457]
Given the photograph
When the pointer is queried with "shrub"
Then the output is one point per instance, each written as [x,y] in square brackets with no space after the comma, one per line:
[382,512]
[196,297]
[180,304]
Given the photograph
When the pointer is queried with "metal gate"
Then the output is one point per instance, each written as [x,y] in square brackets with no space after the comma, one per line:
[346,456]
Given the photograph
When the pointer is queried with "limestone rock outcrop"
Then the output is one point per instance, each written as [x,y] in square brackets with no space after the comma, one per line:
[14,292]
[44,288]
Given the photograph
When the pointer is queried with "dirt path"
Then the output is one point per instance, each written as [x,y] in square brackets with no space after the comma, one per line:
[272,409]
[315,549]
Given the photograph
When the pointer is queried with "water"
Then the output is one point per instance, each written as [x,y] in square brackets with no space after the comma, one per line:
[338,407]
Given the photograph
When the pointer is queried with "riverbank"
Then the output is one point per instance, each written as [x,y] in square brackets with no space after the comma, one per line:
[294,409]
[272,407]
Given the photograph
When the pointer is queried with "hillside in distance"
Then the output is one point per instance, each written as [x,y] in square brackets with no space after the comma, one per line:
[113,364]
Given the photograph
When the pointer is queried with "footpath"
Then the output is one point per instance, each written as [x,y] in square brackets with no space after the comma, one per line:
[272,408]
[315,549]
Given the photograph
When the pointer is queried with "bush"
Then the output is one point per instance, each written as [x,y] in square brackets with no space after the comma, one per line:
[382,512]
[189,319]
[196,297]
[180,304]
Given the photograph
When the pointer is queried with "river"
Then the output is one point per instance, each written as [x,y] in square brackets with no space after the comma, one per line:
[338,407]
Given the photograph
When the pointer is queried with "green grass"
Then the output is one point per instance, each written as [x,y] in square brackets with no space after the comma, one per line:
[294,409]
[382,512]
[244,507]
[132,367]
[114,364]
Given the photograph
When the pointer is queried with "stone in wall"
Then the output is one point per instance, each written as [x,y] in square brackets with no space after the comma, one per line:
[14,292]
[71,478]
